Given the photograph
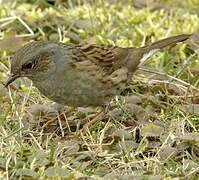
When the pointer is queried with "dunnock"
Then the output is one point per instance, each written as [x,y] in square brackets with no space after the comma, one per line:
[80,75]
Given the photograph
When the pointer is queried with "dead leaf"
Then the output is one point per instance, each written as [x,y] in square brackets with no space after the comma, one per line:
[128,146]
[2,163]
[124,134]
[24,172]
[194,42]
[154,144]
[167,152]
[39,112]
[11,43]
[68,148]
[56,172]
[191,108]
[74,38]
[85,24]
[189,164]
[144,3]
[190,137]
[152,130]
[133,99]
[40,158]
[142,115]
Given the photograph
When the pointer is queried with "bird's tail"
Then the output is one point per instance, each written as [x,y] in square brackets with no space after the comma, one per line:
[139,55]
[168,41]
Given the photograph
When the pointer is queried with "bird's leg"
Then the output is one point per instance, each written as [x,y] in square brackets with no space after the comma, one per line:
[64,113]
[98,117]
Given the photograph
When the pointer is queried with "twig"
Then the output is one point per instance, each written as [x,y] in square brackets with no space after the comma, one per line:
[168,76]
[98,117]
[186,64]
[58,116]
[5,21]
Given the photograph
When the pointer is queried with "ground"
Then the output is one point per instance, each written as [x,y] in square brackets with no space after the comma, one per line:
[151,131]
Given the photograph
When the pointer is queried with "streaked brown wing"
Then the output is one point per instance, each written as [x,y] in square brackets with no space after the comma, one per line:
[104,56]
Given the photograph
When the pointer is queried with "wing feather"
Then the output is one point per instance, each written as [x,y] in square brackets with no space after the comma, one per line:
[103,56]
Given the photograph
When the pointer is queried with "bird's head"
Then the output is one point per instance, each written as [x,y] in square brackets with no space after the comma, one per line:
[32,60]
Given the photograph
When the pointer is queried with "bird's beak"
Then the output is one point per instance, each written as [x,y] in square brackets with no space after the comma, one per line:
[11,79]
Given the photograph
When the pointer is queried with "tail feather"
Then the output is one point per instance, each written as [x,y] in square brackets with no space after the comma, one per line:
[168,41]
[139,55]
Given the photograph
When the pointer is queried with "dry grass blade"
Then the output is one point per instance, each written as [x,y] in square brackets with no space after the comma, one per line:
[184,84]
[149,132]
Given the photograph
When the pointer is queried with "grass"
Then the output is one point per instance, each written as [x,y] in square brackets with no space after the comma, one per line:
[150,132]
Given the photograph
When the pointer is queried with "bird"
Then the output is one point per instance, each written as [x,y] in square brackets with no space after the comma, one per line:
[81,75]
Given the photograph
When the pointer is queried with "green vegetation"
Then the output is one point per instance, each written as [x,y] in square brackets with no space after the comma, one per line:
[150,132]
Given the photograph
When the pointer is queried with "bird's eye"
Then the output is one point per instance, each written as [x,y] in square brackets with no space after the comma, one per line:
[28,66]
